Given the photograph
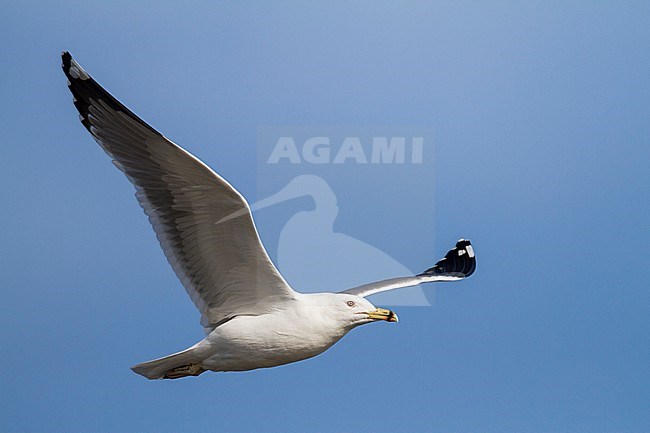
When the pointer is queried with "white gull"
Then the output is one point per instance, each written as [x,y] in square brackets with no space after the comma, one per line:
[251,316]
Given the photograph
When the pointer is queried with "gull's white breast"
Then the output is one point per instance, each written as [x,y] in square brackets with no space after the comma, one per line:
[268,340]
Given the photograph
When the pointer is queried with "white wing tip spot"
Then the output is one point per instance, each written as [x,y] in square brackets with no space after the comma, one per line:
[77,71]
[470,251]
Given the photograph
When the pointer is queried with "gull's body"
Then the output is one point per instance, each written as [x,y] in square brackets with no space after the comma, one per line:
[308,326]
[251,316]
[304,329]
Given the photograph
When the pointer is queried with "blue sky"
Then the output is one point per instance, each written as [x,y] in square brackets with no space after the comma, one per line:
[540,114]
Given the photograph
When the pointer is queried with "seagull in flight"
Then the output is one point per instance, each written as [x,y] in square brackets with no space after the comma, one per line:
[251,316]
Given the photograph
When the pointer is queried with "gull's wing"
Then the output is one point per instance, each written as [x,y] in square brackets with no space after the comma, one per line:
[459,263]
[218,258]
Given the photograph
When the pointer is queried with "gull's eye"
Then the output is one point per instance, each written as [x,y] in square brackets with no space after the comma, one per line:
[350,303]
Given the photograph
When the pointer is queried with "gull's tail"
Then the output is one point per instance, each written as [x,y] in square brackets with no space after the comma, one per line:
[181,364]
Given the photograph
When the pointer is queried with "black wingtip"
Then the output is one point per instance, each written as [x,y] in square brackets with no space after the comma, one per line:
[79,84]
[66,59]
[460,261]
[85,90]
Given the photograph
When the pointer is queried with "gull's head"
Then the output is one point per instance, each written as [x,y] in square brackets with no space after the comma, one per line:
[354,310]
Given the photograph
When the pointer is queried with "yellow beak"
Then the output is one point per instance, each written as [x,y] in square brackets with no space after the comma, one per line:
[382,314]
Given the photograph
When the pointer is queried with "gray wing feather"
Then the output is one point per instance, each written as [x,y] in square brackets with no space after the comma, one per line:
[220,261]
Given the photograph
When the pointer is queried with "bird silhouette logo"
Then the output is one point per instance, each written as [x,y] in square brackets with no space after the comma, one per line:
[309,248]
